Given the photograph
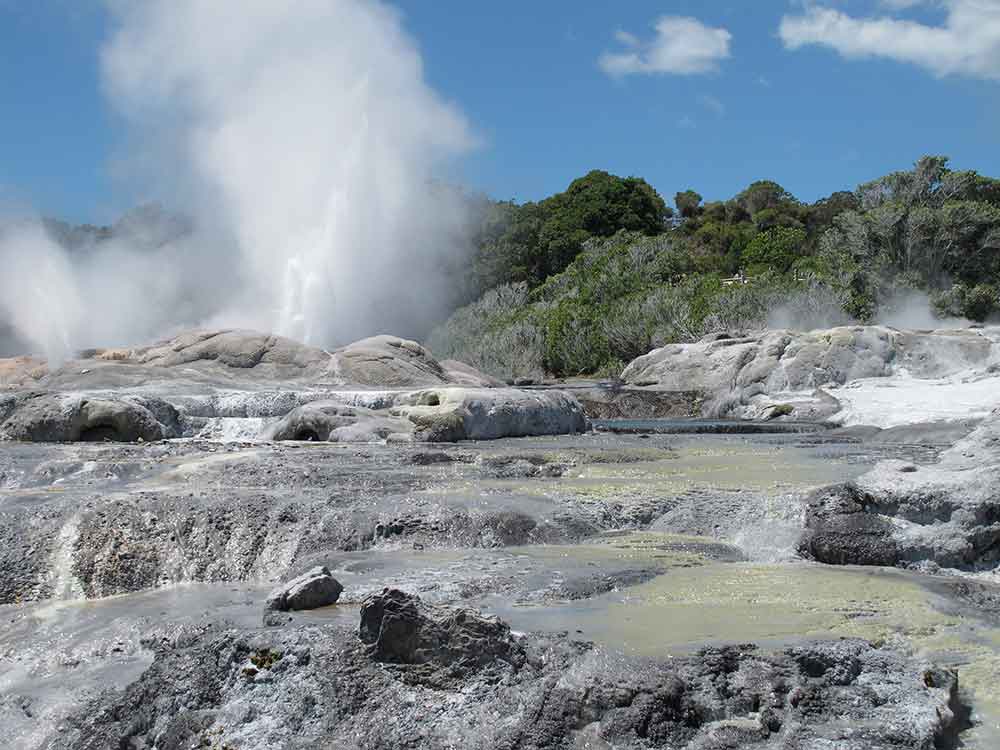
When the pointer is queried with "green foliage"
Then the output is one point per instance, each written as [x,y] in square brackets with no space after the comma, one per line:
[688,203]
[976,303]
[591,278]
[774,250]
[533,241]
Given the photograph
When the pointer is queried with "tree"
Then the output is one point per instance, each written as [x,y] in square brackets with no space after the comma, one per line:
[776,249]
[688,203]
[763,194]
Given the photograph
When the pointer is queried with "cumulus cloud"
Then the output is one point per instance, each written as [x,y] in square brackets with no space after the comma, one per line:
[967,43]
[682,46]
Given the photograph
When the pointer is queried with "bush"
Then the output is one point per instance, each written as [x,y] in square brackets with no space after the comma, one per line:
[980,302]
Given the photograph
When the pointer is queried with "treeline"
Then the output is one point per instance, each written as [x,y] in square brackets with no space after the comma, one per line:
[586,280]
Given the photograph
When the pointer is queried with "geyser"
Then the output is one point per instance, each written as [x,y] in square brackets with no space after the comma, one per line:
[304,143]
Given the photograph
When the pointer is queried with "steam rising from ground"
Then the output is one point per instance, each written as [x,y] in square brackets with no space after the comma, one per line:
[302,139]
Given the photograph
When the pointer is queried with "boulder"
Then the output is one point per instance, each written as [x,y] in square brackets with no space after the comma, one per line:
[945,514]
[388,361]
[447,414]
[400,628]
[52,417]
[314,588]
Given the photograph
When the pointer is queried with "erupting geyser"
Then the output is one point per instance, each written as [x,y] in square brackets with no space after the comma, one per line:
[302,140]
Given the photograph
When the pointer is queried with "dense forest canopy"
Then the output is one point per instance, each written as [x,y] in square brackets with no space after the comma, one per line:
[587,279]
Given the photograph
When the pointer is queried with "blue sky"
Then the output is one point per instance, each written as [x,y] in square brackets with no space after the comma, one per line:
[704,95]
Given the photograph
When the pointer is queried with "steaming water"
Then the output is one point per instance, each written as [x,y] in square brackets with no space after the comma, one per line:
[303,144]
[703,590]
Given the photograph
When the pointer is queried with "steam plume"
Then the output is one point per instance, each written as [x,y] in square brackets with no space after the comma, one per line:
[303,140]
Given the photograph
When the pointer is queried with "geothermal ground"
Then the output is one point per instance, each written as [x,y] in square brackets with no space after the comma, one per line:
[802,581]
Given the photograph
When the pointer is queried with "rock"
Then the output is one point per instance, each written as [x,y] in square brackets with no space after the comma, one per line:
[437,677]
[314,588]
[749,376]
[246,359]
[946,513]
[399,628]
[638,403]
[438,415]
[460,373]
[50,418]
[840,531]
[236,349]
[388,361]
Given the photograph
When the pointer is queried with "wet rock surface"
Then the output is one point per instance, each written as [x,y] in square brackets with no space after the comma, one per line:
[313,589]
[425,540]
[414,676]
[945,514]
[235,384]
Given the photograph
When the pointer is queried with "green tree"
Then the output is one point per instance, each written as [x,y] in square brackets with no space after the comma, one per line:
[688,203]
[775,250]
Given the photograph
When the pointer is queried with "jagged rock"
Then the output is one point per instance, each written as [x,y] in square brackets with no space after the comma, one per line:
[399,628]
[440,678]
[946,513]
[314,588]
[51,418]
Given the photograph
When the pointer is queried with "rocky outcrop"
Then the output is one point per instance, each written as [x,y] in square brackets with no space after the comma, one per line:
[244,385]
[388,361]
[399,628]
[484,688]
[437,415]
[313,589]
[945,514]
[57,418]
[243,358]
[789,370]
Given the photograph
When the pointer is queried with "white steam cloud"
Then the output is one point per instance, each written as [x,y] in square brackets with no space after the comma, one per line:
[302,139]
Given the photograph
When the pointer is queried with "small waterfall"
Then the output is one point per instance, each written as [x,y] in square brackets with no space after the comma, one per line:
[65,585]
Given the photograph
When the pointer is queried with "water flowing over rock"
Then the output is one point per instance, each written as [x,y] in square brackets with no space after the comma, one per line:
[945,514]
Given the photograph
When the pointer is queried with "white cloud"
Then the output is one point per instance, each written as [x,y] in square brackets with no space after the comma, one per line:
[712,104]
[682,46]
[968,43]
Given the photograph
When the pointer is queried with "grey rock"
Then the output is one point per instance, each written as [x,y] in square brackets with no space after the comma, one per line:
[399,628]
[747,376]
[50,417]
[446,414]
[311,687]
[313,589]
[946,513]
[388,361]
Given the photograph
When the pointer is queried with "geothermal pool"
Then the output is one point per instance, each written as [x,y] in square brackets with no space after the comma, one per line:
[652,545]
